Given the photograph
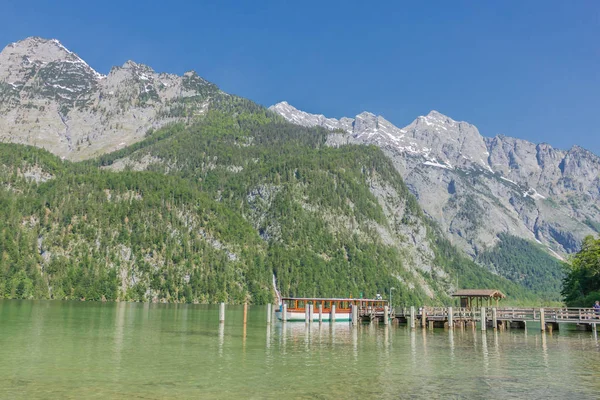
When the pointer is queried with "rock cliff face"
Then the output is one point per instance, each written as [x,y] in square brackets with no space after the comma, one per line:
[51,98]
[476,187]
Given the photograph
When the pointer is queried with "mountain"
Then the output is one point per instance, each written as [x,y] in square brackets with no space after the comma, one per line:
[164,188]
[479,189]
[216,211]
[51,98]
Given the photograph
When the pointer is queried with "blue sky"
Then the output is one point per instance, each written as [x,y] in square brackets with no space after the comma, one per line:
[529,69]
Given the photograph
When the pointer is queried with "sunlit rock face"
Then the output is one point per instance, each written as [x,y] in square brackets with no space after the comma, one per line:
[477,187]
[51,98]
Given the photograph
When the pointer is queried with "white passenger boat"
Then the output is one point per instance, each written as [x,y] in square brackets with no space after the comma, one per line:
[296,308]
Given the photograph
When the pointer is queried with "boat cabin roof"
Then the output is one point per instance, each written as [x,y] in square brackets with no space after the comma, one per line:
[331,299]
[479,293]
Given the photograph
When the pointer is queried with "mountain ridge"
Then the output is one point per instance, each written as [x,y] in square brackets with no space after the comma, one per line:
[509,171]
[476,188]
[52,98]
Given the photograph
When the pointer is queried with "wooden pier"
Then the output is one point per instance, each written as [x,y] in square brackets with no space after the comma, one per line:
[496,318]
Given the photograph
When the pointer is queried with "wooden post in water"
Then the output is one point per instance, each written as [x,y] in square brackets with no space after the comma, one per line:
[386,316]
[284,312]
[332,313]
[482,318]
[542,320]
[423,317]
[353,314]
[320,313]
[594,330]
[306,313]
[222,312]
[311,313]
[245,313]
[412,317]
[269,313]
[495,318]
[450,318]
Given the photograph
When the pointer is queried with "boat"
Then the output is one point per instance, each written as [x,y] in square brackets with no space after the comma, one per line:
[296,308]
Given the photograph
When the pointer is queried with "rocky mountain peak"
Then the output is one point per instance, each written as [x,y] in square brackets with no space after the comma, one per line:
[52,98]
[499,184]
[22,59]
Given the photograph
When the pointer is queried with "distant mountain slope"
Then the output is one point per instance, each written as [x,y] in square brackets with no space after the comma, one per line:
[315,203]
[211,212]
[478,188]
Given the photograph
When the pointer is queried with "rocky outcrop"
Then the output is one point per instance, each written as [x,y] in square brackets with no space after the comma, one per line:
[476,187]
[51,98]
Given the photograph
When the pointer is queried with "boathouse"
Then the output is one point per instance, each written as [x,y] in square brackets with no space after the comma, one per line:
[470,298]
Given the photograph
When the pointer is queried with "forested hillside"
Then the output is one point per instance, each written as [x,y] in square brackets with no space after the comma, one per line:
[210,212]
[525,262]
[582,281]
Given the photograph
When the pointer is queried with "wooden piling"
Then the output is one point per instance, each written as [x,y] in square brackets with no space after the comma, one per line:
[450,318]
[412,317]
[306,313]
[245,313]
[495,318]
[284,312]
[320,313]
[354,315]
[311,313]
[269,313]
[332,315]
[542,320]
[386,316]
[483,319]
[222,312]
[423,317]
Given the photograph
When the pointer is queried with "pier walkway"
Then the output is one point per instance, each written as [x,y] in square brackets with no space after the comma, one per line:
[496,318]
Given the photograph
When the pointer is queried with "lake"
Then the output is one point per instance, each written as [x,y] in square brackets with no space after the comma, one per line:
[75,350]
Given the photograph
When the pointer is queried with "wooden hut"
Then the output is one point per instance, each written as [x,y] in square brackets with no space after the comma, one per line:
[478,297]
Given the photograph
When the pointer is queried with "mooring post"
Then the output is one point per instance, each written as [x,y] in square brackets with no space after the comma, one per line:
[332,314]
[269,313]
[423,317]
[483,320]
[306,313]
[594,330]
[450,318]
[222,312]
[354,315]
[245,313]
[412,317]
[311,312]
[386,316]
[320,313]
[284,312]
[495,318]
[542,320]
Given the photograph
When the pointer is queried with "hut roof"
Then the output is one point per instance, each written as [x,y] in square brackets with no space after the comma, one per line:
[478,293]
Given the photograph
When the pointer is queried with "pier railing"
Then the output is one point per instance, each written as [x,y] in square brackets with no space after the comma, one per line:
[551,314]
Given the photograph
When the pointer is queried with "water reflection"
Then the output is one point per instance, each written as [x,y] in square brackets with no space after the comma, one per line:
[484,351]
[451,344]
[140,351]
[221,338]
[413,346]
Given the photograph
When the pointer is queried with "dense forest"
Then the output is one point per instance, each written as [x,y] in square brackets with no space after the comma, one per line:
[213,211]
[582,282]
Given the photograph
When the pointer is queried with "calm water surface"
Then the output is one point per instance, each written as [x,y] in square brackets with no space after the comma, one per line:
[143,351]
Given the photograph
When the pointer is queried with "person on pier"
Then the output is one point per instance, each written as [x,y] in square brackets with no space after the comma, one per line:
[597,307]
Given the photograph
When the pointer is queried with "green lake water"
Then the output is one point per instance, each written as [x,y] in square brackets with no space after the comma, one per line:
[72,350]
